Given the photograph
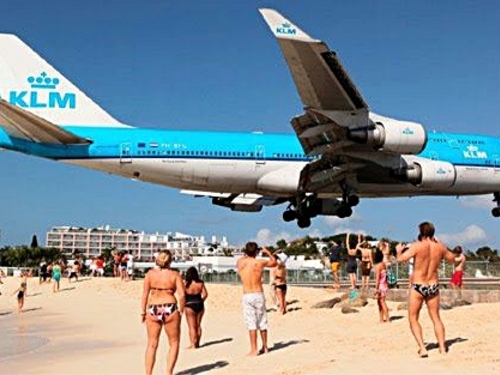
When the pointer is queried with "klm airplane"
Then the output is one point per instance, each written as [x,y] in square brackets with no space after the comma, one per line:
[340,152]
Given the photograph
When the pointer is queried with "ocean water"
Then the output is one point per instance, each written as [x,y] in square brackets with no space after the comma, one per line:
[18,337]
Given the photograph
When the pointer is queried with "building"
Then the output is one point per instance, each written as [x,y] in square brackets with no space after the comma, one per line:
[91,242]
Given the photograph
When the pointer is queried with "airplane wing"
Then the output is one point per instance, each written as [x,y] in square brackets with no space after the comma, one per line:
[337,122]
[321,80]
[22,124]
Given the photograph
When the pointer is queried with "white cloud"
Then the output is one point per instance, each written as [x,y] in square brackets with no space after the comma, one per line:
[472,235]
[339,225]
[478,201]
[266,237]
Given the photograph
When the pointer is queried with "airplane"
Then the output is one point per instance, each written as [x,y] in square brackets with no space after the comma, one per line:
[341,151]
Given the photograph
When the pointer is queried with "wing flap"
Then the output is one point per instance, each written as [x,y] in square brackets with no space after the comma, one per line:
[25,125]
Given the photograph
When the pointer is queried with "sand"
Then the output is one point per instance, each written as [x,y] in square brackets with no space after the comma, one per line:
[93,327]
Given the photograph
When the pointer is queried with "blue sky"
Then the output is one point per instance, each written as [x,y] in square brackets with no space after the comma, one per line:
[216,66]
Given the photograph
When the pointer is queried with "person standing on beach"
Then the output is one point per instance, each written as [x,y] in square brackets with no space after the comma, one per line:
[366,264]
[196,294]
[352,262]
[21,292]
[381,285]
[456,281]
[427,254]
[280,286]
[335,264]
[160,309]
[250,270]
[56,275]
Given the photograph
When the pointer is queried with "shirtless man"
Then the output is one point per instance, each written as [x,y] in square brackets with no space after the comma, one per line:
[458,274]
[254,303]
[427,254]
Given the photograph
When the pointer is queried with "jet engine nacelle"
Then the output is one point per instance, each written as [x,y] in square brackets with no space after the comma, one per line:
[430,174]
[402,137]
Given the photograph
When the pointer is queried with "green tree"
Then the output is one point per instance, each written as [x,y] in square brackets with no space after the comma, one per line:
[281,244]
[34,241]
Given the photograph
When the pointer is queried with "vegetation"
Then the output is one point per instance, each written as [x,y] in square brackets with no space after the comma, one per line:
[30,257]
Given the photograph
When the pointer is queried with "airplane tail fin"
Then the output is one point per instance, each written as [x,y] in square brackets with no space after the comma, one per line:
[31,83]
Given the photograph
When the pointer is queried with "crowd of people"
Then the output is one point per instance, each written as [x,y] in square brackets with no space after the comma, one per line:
[168,294]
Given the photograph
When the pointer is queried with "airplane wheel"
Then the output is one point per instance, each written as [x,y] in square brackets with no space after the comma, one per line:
[344,211]
[289,215]
[496,212]
[352,200]
[304,222]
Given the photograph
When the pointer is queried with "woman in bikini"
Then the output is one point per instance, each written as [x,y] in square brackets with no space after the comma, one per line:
[160,308]
[196,294]
[280,286]
[352,262]
[381,286]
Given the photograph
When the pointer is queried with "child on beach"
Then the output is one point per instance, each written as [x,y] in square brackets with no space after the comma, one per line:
[21,293]
[381,286]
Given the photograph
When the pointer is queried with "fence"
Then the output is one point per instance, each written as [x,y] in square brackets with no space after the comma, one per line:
[312,276]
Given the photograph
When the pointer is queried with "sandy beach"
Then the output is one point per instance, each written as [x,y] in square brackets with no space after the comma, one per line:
[93,327]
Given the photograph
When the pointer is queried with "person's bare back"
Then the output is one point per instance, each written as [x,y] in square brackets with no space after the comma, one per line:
[250,270]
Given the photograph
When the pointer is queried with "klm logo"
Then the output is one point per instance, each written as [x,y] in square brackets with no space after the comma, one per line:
[408,131]
[43,94]
[473,152]
[286,29]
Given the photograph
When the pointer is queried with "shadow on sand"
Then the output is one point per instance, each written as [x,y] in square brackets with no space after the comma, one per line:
[448,343]
[66,289]
[204,368]
[283,344]
[215,342]
[30,309]
[396,317]
[5,313]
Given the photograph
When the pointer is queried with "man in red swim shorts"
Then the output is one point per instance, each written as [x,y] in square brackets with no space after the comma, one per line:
[457,277]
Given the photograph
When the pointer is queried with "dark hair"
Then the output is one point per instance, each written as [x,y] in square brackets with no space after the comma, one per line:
[251,249]
[426,230]
[458,250]
[378,257]
[192,275]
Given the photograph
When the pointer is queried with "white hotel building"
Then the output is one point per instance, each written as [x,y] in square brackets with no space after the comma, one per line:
[91,242]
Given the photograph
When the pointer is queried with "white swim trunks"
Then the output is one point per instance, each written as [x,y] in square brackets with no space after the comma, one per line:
[254,311]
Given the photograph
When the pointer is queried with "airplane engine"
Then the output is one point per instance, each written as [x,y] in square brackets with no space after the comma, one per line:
[402,137]
[430,174]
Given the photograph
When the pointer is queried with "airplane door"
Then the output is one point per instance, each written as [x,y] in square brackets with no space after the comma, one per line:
[125,153]
[260,154]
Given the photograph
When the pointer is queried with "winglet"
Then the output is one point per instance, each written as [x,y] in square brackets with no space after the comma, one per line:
[283,28]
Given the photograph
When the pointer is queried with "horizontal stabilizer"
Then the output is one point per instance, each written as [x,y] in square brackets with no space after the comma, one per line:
[22,124]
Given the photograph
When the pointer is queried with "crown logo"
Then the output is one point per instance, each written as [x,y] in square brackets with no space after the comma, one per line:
[43,81]
[286,25]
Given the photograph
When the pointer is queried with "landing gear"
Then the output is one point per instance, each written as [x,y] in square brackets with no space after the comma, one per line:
[304,222]
[305,207]
[496,198]
[289,215]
